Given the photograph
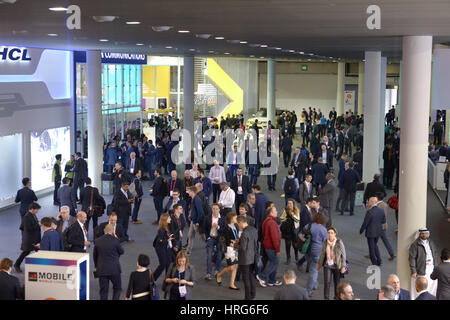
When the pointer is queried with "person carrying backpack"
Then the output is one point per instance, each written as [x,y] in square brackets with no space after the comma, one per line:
[290,186]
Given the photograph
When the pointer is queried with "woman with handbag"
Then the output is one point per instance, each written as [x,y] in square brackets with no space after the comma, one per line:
[230,237]
[163,245]
[180,279]
[333,260]
[141,284]
[290,222]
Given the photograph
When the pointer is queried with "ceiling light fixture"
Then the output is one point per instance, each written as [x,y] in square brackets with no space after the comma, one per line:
[233,41]
[104,18]
[139,44]
[52,34]
[14,32]
[103,40]
[261,57]
[226,53]
[183,31]
[291,50]
[56,9]
[278,48]
[243,42]
[211,51]
[133,22]
[191,49]
[254,45]
[264,46]
[252,56]
[203,36]
[169,47]
[161,28]
[219,38]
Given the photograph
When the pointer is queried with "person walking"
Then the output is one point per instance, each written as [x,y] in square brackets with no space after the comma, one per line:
[141,281]
[122,207]
[213,228]
[163,245]
[25,196]
[290,223]
[333,260]
[180,279]
[373,228]
[441,273]
[290,186]
[350,178]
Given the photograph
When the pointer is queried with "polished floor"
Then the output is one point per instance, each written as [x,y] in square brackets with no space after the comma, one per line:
[347,226]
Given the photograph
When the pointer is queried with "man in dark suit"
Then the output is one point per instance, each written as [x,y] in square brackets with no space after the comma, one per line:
[298,162]
[25,196]
[421,288]
[158,193]
[31,234]
[80,173]
[243,211]
[76,235]
[56,178]
[349,180]
[260,204]
[9,285]
[247,256]
[305,190]
[117,228]
[90,196]
[326,154]
[134,165]
[175,183]
[66,197]
[306,213]
[241,187]
[107,252]
[319,173]
[400,294]
[291,291]
[122,206]
[64,220]
[326,196]
[342,167]
[315,144]
[138,199]
[212,229]
[372,225]
[119,175]
[175,199]
[51,240]
[441,272]
[373,187]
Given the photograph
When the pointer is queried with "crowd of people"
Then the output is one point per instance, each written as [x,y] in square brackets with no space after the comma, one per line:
[224,207]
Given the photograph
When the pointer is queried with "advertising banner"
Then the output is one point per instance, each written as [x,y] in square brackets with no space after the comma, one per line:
[349,100]
[51,275]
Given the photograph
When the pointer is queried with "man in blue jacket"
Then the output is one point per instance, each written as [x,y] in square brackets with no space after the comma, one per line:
[25,196]
[372,224]
[196,215]
[150,159]
[260,204]
[51,240]
[206,182]
[349,180]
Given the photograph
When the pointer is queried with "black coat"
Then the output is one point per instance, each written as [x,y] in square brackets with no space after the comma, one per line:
[75,238]
[319,173]
[9,287]
[137,166]
[206,230]
[26,197]
[246,187]
[31,232]
[426,296]
[373,222]
[121,205]
[100,231]
[349,180]
[305,217]
[80,169]
[372,188]
[107,252]
[85,198]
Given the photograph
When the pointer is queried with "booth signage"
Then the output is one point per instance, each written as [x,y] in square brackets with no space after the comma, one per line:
[14,54]
[123,58]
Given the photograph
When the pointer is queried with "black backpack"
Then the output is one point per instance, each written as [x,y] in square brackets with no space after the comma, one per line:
[289,186]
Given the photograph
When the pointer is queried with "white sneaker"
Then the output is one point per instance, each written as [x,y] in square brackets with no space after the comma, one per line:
[261,282]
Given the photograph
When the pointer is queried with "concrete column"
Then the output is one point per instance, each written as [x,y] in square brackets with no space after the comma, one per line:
[178,88]
[398,111]
[372,104]
[416,75]
[447,125]
[188,96]
[94,115]
[361,87]
[340,89]
[382,109]
[271,105]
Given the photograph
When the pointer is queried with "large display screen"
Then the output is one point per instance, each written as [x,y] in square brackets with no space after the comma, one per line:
[11,167]
[44,146]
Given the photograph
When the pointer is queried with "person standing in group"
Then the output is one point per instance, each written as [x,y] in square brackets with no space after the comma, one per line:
[260,205]
[56,178]
[240,184]
[107,251]
[80,173]
[318,236]
[117,228]
[345,291]
[217,176]
[51,240]
[423,256]
[326,197]
[247,247]
[63,221]
[159,191]
[206,182]
[372,224]
[383,205]
[305,191]
[234,160]
[10,288]
[333,260]
[271,243]
[25,196]
[343,166]
[291,291]
[196,216]
[90,198]
[441,273]
[350,178]
[163,245]
[68,169]
[174,200]
[298,163]
[290,223]
[213,228]
[400,294]
[290,186]
[122,206]
[138,199]
[180,279]
[230,237]
[31,234]
[66,197]
[141,281]
[421,291]
[76,236]
[176,227]
[286,148]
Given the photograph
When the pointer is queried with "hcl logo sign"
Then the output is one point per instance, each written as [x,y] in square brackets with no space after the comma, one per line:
[13,54]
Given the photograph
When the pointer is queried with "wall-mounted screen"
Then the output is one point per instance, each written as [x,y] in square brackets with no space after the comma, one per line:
[11,167]
[44,146]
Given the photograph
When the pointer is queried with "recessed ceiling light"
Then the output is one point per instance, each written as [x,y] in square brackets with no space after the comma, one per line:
[261,57]
[104,18]
[243,42]
[252,56]
[291,50]
[19,32]
[310,54]
[133,22]
[169,47]
[264,46]
[309,59]
[183,31]
[139,44]
[226,53]
[219,38]
[191,49]
[161,28]
[301,52]
[203,35]
[57,9]
[52,34]
[334,60]
[103,40]
[211,51]
[278,48]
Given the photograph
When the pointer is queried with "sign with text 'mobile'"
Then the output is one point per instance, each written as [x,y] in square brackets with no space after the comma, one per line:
[52,275]
[123,58]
